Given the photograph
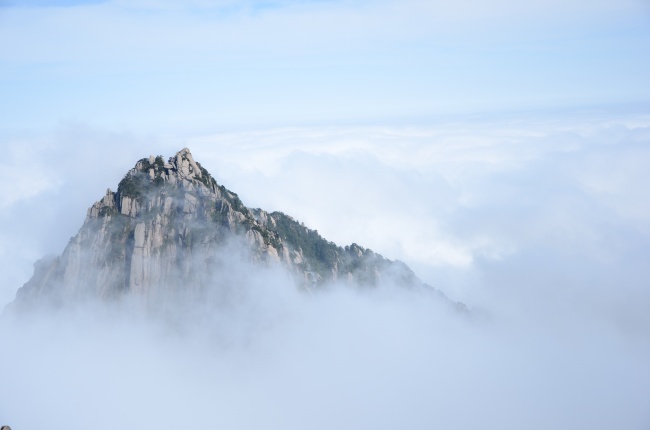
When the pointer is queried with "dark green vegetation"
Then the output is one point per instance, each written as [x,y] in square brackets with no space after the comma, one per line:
[133,185]
[233,199]
[328,259]
[323,254]
[138,183]
[206,178]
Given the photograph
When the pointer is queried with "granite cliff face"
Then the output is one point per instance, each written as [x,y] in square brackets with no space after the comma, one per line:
[164,228]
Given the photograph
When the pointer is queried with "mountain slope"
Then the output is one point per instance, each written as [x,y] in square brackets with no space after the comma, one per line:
[166,225]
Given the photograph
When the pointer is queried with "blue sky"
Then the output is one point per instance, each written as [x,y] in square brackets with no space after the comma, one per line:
[154,65]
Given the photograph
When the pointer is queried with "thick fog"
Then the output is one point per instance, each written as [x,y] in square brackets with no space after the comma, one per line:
[541,226]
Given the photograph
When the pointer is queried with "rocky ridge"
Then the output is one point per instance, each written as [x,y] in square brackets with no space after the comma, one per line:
[163,229]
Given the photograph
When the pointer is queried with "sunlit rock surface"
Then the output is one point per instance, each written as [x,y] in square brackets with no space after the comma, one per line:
[163,231]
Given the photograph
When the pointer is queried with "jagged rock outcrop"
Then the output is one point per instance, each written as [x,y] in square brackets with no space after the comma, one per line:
[162,228]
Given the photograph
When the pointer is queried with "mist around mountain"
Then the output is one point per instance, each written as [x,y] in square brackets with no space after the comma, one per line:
[285,350]
[167,236]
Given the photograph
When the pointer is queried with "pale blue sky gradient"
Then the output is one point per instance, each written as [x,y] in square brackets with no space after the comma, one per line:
[158,65]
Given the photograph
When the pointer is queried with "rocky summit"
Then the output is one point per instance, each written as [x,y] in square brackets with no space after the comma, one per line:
[164,229]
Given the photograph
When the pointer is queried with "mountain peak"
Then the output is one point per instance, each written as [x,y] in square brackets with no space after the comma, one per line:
[185,164]
[165,229]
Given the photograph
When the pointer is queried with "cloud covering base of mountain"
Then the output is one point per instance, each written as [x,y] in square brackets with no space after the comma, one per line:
[272,356]
[540,224]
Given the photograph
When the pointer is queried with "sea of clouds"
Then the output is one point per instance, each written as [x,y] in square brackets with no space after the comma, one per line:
[541,225]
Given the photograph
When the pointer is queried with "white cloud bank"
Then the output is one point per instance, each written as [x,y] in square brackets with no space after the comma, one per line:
[279,359]
[542,224]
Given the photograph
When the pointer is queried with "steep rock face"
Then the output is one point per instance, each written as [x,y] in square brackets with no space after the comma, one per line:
[161,230]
